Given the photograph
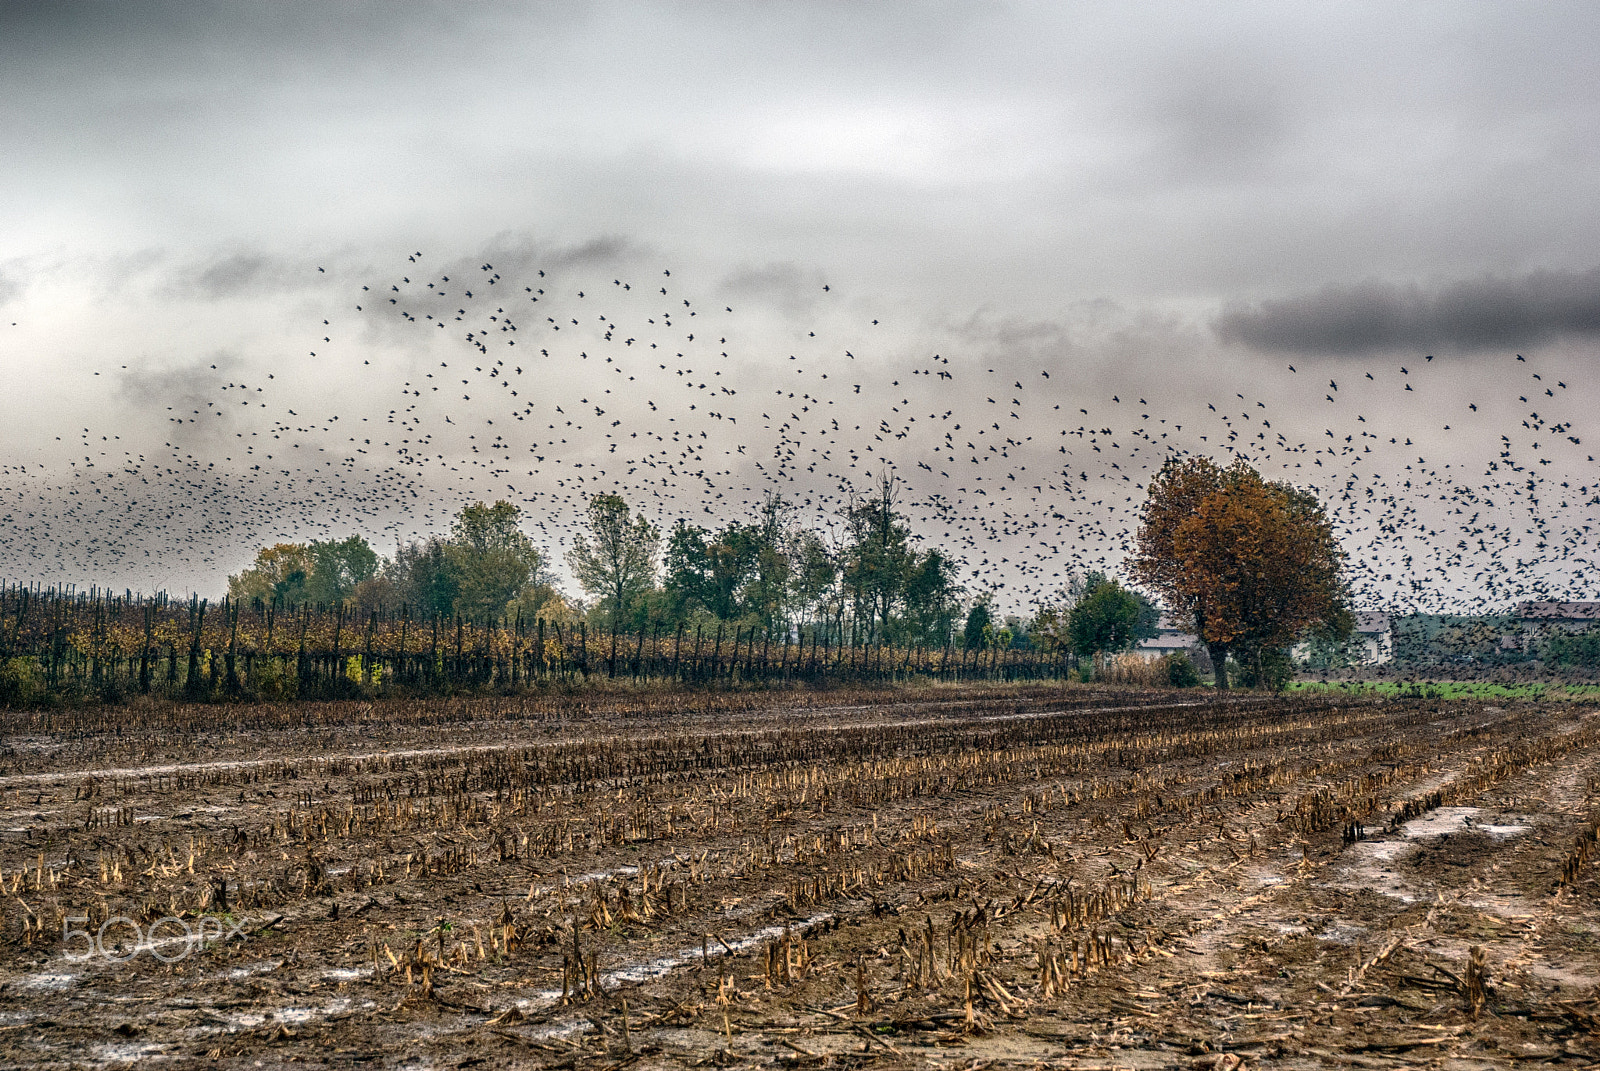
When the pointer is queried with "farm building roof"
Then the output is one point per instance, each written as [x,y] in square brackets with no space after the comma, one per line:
[1559,611]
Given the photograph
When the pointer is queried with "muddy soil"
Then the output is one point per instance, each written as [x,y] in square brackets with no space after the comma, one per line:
[989,877]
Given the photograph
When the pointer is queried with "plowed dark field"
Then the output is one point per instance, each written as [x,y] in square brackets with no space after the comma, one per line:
[975,877]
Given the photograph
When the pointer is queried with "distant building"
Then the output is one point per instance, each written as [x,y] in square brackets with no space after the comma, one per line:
[1535,622]
[1371,640]
[1566,616]
[1169,639]
[1374,633]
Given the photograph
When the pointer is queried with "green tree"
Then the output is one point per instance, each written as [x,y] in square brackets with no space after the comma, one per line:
[1105,620]
[932,600]
[491,558]
[1574,648]
[769,546]
[709,570]
[878,558]
[424,578]
[741,571]
[279,572]
[615,559]
[816,582]
[337,567]
[975,633]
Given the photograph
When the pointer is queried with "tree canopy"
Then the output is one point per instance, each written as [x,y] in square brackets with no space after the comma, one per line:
[615,559]
[325,571]
[1255,564]
[491,559]
[1104,620]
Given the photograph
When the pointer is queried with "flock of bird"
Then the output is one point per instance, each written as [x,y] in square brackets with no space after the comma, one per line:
[545,385]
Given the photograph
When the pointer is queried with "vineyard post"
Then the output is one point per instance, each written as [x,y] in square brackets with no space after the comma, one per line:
[366,655]
[455,668]
[302,665]
[233,650]
[433,651]
[716,655]
[338,633]
[197,617]
[405,622]
[516,648]
[144,654]
[611,663]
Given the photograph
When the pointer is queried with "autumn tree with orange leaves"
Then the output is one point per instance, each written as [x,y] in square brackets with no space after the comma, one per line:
[1253,563]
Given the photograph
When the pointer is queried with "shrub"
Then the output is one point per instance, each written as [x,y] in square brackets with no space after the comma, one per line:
[21,682]
[272,678]
[1181,672]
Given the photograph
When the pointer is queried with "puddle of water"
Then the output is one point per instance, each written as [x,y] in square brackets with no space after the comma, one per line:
[47,981]
[292,1016]
[1458,820]
[645,972]
[127,1052]
[1366,867]
[252,968]
[1343,933]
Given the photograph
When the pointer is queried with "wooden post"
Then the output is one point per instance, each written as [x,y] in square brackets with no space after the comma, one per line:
[611,663]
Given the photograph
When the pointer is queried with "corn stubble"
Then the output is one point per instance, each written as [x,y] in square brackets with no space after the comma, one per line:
[616,876]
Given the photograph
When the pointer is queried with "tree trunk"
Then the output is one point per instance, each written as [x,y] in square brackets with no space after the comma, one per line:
[1219,664]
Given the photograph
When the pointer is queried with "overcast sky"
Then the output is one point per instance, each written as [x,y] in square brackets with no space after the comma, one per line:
[1173,202]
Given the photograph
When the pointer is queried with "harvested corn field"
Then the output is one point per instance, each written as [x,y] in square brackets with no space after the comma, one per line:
[965,876]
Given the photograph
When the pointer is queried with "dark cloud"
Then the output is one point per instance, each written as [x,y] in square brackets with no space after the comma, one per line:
[238,273]
[184,394]
[519,253]
[794,289]
[10,288]
[1486,313]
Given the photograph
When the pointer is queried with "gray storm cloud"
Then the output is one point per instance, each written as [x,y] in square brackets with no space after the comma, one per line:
[1033,221]
[1470,315]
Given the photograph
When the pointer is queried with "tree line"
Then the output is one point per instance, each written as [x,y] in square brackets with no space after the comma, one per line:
[1251,566]
[866,582]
